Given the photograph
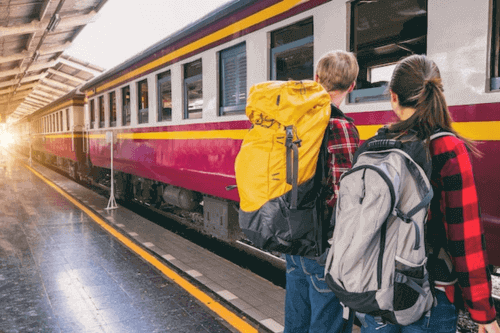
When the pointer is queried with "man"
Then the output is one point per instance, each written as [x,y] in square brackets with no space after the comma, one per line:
[310,306]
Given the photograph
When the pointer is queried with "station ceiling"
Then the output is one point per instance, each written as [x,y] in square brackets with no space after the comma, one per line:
[33,37]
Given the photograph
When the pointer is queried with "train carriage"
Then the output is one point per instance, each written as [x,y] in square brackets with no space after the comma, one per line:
[176,110]
[57,133]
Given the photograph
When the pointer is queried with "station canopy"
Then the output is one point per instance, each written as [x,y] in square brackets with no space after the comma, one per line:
[33,37]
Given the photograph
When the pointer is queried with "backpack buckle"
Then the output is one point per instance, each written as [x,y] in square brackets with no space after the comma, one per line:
[402,216]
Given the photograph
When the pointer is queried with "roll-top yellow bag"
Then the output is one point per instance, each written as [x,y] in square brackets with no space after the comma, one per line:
[278,159]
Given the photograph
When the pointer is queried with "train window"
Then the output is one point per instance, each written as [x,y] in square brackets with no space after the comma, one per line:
[292,52]
[61,128]
[67,119]
[53,116]
[233,80]
[381,33]
[126,106]
[142,98]
[495,47]
[112,109]
[164,96]
[92,114]
[56,115]
[193,90]
[101,111]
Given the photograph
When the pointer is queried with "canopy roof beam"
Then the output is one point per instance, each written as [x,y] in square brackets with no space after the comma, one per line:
[39,26]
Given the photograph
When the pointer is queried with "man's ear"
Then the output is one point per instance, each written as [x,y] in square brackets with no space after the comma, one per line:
[394,97]
[351,87]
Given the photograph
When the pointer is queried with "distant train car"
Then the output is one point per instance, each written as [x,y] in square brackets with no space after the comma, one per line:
[176,110]
[57,133]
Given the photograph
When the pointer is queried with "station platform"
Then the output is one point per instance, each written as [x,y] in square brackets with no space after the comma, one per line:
[69,265]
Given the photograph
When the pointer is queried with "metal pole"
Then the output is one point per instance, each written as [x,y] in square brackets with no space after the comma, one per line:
[112,202]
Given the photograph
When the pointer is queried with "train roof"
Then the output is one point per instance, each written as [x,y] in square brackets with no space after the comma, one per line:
[74,94]
[223,11]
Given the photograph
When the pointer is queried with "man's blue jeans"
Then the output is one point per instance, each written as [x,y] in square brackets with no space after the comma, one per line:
[310,306]
[443,318]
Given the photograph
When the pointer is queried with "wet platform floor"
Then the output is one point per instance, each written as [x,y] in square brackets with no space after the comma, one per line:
[61,272]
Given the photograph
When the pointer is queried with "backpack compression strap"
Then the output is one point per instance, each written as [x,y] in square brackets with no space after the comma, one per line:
[292,172]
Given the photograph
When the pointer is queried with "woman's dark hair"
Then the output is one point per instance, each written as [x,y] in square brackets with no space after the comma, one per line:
[417,82]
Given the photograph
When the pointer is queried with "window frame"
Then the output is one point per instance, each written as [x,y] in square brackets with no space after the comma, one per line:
[92,110]
[276,50]
[102,112]
[232,52]
[126,108]
[378,92]
[67,120]
[493,83]
[61,123]
[186,82]
[145,111]
[112,108]
[159,81]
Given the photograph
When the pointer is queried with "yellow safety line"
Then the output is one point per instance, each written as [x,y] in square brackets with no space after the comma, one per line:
[230,317]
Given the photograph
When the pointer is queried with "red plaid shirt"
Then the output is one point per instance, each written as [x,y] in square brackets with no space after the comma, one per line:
[342,144]
[455,192]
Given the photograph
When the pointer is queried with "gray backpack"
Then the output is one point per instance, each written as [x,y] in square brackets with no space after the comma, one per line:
[377,261]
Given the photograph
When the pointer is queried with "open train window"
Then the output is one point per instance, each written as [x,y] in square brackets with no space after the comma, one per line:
[92,113]
[233,80]
[126,106]
[495,47]
[101,111]
[143,101]
[292,52]
[382,33]
[112,109]
[164,96]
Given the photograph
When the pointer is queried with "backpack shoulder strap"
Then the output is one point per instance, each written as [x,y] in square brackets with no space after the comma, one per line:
[440,134]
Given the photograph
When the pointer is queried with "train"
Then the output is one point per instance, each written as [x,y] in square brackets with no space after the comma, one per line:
[174,115]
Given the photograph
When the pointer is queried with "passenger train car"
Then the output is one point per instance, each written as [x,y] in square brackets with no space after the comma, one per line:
[54,134]
[176,110]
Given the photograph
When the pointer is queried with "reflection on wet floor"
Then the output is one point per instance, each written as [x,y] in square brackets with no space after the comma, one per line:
[60,272]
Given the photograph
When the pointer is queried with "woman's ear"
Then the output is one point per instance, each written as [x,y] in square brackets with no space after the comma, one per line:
[316,78]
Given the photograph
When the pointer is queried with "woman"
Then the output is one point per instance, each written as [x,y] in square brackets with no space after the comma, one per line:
[454,231]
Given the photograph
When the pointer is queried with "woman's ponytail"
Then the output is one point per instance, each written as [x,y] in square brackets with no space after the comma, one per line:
[417,82]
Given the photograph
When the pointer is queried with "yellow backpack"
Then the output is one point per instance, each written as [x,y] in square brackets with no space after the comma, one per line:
[277,164]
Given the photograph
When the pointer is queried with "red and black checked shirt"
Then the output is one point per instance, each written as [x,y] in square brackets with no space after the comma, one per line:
[455,195]
[342,144]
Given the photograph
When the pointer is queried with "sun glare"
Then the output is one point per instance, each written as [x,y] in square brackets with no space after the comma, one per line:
[6,139]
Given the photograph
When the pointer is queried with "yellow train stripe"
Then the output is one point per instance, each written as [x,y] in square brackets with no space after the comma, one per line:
[235,321]
[474,130]
[63,136]
[245,23]
[187,135]
[478,131]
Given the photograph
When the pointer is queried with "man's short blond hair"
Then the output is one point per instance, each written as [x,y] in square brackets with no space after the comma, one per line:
[337,70]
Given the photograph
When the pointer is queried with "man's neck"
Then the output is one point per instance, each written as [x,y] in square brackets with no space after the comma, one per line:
[337,97]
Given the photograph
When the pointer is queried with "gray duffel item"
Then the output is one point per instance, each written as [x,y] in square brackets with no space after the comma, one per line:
[377,261]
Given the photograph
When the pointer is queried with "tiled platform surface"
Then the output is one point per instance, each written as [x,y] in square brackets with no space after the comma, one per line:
[61,272]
